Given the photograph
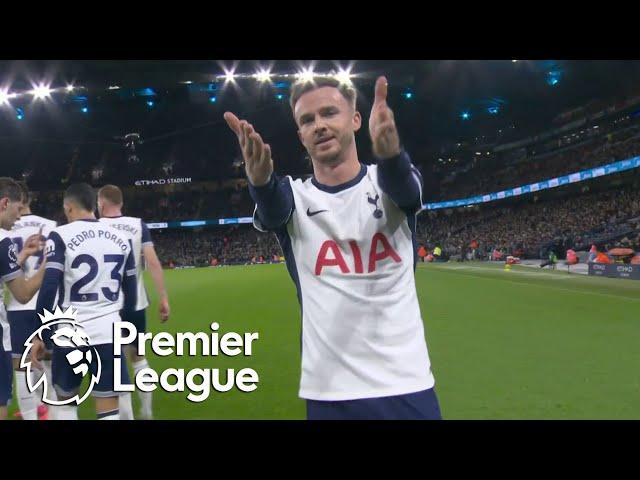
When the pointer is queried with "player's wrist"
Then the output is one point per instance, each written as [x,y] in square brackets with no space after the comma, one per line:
[258,181]
[22,257]
[389,156]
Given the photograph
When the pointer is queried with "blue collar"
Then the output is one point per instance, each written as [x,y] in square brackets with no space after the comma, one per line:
[342,186]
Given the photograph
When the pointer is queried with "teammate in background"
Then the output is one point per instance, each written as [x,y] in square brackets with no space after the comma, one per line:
[90,262]
[23,319]
[348,235]
[110,203]
[23,289]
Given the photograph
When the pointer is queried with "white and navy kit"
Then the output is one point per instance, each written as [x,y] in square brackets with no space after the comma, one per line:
[9,270]
[22,316]
[351,251]
[92,265]
[140,237]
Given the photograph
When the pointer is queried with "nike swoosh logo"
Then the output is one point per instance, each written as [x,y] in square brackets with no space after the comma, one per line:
[311,214]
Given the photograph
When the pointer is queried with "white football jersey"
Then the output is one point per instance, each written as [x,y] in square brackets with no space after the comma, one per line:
[139,234]
[9,269]
[25,227]
[94,259]
[350,251]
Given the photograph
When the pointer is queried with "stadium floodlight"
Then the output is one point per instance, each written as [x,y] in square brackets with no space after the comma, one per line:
[70,88]
[263,75]
[229,76]
[4,97]
[40,92]
[343,76]
[306,75]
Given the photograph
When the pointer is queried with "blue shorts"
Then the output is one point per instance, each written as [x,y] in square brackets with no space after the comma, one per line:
[6,373]
[411,406]
[139,319]
[23,323]
[67,383]
[6,376]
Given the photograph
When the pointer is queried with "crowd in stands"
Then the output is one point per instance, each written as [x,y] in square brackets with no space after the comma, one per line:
[527,229]
[524,230]
[156,206]
[240,244]
[606,149]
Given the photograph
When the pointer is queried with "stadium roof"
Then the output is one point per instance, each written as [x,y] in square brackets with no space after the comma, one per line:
[437,101]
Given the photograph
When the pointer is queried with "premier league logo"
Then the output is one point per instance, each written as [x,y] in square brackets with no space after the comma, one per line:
[13,255]
[66,333]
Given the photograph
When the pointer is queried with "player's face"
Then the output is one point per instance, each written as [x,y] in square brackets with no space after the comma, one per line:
[326,124]
[9,212]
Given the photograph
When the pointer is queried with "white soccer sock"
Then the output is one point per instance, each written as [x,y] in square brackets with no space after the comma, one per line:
[145,397]
[27,401]
[35,376]
[126,406]
[110,415]
[51,394]
[67,412]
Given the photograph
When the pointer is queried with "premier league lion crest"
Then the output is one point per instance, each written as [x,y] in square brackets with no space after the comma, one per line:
[65,332]
[13,254]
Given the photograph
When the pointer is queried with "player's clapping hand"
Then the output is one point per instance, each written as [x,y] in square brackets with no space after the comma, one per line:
[33,245]
[382,126]
[256,153]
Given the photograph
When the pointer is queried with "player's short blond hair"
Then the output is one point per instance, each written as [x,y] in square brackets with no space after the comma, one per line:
[112,194]
[300,88]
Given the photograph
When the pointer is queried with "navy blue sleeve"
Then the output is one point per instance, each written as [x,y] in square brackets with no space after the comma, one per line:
[274,203]
[49,289]
[54,252]
[47,297]
[129,284]
[53,279]
[9,268]
[146,235]
[401,180]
